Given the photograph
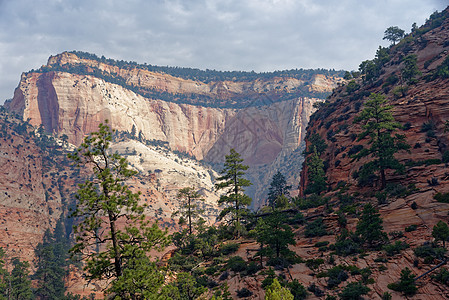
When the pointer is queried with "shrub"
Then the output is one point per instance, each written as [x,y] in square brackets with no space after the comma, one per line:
[386,296]
[252,268]
[411,228]
[321,244]
[311,201]
[297,289]
[382,268]
[445,157]
[335,275]
[355,149]
[296,219]
[352,86]
[406,283]
[391,80]
[443,198]
[407,126]
[269,279]
[353,291]
[400,91]
[442,276]
[315,290]
[279,263]
[428,126]
[365,175]
[236,264]
[314,263]
[347,243]
[381,197]
[396,190]
[211,270]
[315,228]
[396,248]
[229,248]
[244,293]
[396,234]
[442,70]
[224,275]
[429,253]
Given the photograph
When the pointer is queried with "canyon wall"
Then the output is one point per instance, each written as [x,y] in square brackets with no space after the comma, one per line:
[263,119]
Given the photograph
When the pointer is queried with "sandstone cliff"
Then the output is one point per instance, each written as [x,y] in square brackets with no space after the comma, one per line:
[422,109]
[263,118]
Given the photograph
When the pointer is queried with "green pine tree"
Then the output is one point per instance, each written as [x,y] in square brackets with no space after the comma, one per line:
[122,256]
[4,276]
[274,233]
[277,190]
[188,206]
[378,123]
[406,284]
[316,175]
[233,183]
[370,228]
[20,280]
[410,70]
[276,292]
[441,232]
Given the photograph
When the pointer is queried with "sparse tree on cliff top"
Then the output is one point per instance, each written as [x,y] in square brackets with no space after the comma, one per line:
[378,123]
[188,207]
[393,34]
[104,202]
[232,182]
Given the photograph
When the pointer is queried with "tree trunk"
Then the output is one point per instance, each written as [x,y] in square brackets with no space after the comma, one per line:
[382,179]
[190,216]
[117,262]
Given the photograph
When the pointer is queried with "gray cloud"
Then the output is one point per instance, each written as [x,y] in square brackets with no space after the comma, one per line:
[260,35]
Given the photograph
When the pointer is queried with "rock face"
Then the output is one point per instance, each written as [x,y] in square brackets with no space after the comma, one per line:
[33,189]
[423,110]
[264,118]
[38,184]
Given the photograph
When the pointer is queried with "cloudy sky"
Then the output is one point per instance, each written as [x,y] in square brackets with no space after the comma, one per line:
[259,35]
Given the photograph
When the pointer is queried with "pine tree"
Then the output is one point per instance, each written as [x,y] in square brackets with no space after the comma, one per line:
[406,284]
[4,277]
[103,203]
[20,280]
[393,34]
[278,188]
[378,124]
[441,232]
[370,228]
[188,207]
[410,70]
[273,232]
[51,264]
[316,175]
[276,292]
[232,182]
[49,274]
